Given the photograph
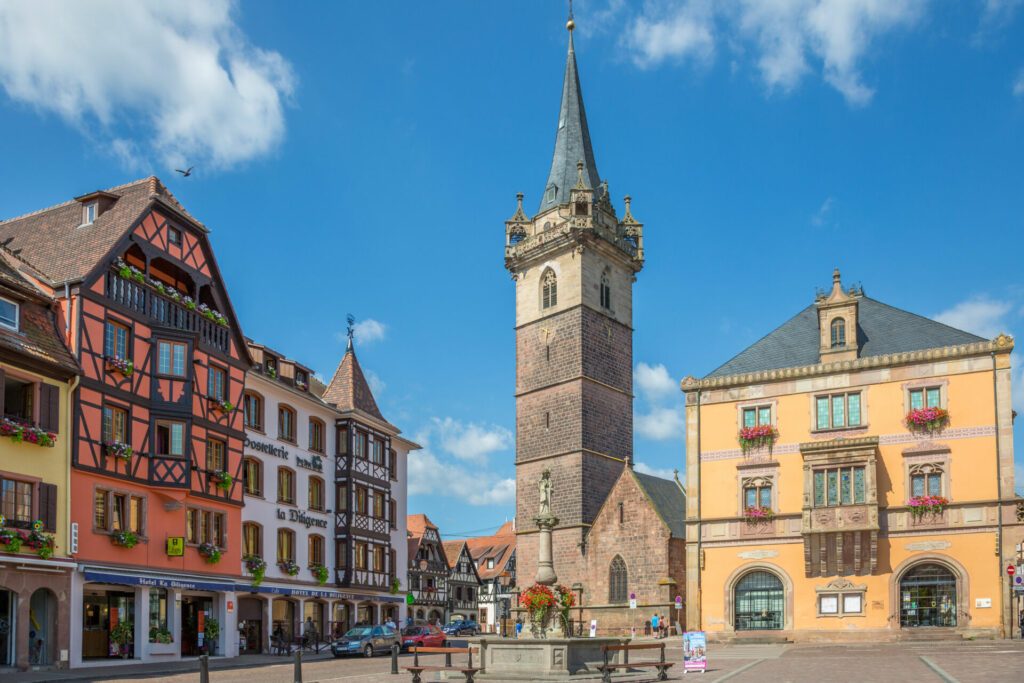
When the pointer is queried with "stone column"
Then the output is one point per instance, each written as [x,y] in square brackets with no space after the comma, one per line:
[545,557]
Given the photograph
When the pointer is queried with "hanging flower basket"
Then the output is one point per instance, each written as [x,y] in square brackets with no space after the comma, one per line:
[18,432]
[221,480]
[320,572]
[257,568]
[927,420]
[210,553]
[119,450]
[288,567]
[396,586]
[927,505]
[121,365]
[758,515]
[761,436]
[125,539]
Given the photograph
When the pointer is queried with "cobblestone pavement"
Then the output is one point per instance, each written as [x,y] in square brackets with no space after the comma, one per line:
[940,662]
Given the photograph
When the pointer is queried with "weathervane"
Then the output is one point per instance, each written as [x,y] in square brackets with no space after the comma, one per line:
[570,24]
[351,328]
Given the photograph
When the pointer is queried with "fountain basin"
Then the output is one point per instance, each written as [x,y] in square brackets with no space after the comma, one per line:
[550,659]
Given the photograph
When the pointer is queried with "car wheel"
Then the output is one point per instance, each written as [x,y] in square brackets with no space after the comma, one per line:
[368,651]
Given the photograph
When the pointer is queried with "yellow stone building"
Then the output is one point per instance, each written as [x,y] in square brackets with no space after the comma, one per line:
[815,512]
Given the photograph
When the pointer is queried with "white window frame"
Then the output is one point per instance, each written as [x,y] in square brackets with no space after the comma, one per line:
[17,315]
[90,207]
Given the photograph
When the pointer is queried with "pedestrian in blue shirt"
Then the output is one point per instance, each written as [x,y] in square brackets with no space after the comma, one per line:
[654,625]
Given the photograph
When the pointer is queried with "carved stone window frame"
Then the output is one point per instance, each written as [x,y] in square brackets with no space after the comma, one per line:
[940,383]
[855,452]
[765,471]
[840,588]
[928,455]
[829,393]
[772,404]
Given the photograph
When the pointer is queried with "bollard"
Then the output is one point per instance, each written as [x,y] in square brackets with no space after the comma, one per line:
[394,658]
[204,669]
[448,659]
[298,666]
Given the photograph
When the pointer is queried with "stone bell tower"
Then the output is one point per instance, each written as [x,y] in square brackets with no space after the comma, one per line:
[574,263]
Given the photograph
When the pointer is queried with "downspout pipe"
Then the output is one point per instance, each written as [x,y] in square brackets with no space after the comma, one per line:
[999,495]
[700,501]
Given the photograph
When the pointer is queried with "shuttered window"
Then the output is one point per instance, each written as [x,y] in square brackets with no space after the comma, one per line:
[49,408]
[16,502]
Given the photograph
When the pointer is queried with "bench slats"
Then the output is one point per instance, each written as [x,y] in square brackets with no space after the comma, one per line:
[639,646]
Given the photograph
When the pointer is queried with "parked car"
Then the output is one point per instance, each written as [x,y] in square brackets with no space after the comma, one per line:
[365,640]
[427,635]
[462,627]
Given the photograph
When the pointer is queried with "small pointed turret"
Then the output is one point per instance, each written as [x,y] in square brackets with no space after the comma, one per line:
[572,140]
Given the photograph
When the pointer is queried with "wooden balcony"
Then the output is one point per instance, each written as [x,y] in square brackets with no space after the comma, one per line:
[363,578]
[363,525]
[351,465]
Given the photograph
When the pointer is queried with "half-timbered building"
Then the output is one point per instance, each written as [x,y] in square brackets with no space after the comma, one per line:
[463,581]
[428,571]
[156,461]
[495,560]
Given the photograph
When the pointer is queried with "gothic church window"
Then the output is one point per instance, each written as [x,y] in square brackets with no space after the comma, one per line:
[838,333]
[549,289]
[617,578]
[606,291]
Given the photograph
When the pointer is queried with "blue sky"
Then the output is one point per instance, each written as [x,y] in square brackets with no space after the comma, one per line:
[362,157]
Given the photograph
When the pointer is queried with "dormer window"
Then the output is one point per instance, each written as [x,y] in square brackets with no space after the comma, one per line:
[552,192]
[838,333]
[9,314]
[89,212]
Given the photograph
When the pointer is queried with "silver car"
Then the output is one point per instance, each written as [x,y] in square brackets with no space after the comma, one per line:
[365,640]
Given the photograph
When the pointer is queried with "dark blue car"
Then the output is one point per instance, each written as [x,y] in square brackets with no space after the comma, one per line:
[462,627]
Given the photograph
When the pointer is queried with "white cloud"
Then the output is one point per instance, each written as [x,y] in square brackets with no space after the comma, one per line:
[369,330]
[997,13]
[654,381]
[432,476]
[838,34]
[377,385]
[981,316]
[661,424]
[178,80]
[824,213]
[471,442]
[644,468]
[1018,85]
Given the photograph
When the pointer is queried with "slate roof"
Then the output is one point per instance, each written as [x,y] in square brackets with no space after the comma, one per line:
[349,390]
[38,339]
[881,329]
[500,547]
[55,241]
[668,499]
[572,141]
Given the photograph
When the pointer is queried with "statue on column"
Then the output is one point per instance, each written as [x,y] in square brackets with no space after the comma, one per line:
[545,494]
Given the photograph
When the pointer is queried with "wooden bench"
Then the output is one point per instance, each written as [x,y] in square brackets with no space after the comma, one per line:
[416,669]
[607,668]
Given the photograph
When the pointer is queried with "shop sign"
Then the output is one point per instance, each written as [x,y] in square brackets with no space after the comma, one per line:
[157,582]
[695,651]
[301,517]
[268,448]
[231,606]
[175,546]
[314,463]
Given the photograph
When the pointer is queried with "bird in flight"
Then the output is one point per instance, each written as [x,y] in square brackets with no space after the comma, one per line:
[185,174]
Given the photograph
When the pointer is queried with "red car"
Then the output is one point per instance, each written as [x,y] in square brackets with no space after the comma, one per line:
[424,636]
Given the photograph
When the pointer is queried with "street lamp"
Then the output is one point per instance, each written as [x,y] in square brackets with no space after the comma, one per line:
[504,581]
[578,588]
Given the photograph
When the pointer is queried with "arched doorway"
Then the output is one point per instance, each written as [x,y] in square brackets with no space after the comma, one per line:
[928,596]
[760,602]
[42,635]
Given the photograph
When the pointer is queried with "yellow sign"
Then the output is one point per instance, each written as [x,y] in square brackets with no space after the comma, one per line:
[175,546]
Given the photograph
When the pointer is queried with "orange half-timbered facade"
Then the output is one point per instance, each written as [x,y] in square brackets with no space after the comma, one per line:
[156,463]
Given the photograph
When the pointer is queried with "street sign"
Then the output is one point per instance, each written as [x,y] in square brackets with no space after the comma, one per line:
[632,603]
[593,628]
[175,546]
[1010,570]
[409,599]
[679,602]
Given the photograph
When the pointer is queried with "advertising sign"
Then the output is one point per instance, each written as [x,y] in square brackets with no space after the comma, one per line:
[593,628]
[695,651]
[175,546]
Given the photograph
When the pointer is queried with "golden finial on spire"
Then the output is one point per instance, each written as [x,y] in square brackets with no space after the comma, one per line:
[570,25]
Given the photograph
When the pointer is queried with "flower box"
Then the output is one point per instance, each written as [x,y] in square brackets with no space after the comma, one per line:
[288,567]
[257,567]
[761,436]
[129,272]
[18,433]
[221,406]
[210,553]
[320,572]
[125,539]
[927,420]
[927,506]
[758,515]
[118,450]
[221,480]
[121,365]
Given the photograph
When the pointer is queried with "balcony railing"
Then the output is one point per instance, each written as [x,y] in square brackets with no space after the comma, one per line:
[363,578]
[365,523]
[363,466]
[165,311]
[426,596]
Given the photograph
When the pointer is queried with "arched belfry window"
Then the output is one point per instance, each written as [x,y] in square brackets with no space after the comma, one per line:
[548,289]
[838,333]
[617,579]
[606,290]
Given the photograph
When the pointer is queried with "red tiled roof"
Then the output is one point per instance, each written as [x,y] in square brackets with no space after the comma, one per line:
[498,547]
[348,389]
[55,241]
[418,524]
[452,551]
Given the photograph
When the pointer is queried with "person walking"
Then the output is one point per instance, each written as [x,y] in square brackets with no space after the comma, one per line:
[654,625]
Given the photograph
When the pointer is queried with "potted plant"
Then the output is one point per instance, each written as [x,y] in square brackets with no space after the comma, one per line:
[122,636]
[396,585]
[760,436]
[210,552]
[124,538]
[926,505]
[927,420]
[211,630]
[320,572]
[221,480]
[565,600]
[188,302]
[119,450]
[538,600]
[758,515]
[222,406]
[288,567]
[121,365]
[161,636]
[257,567]
[40,541]
[12,539]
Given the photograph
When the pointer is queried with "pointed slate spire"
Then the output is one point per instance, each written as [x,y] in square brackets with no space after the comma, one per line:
[572,141]
[348,389]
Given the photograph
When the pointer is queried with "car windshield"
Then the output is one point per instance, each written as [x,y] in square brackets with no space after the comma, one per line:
[413,631]
[357,633]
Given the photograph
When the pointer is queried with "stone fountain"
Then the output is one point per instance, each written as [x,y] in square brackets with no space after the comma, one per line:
[542,652]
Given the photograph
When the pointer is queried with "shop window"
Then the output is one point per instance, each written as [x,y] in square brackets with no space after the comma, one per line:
[925,397]
[170,439]
[171,358]
[754,416]
[316,494]
[253,409]
[286,424]
[839,486]
[316,550]
[8,314]
[836,411]
[158,623]
[115,340]
[285,545]
[316,435]
[285,486]
[252,539]
[16,502]
[216,383]
[115,425]
[252,477]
